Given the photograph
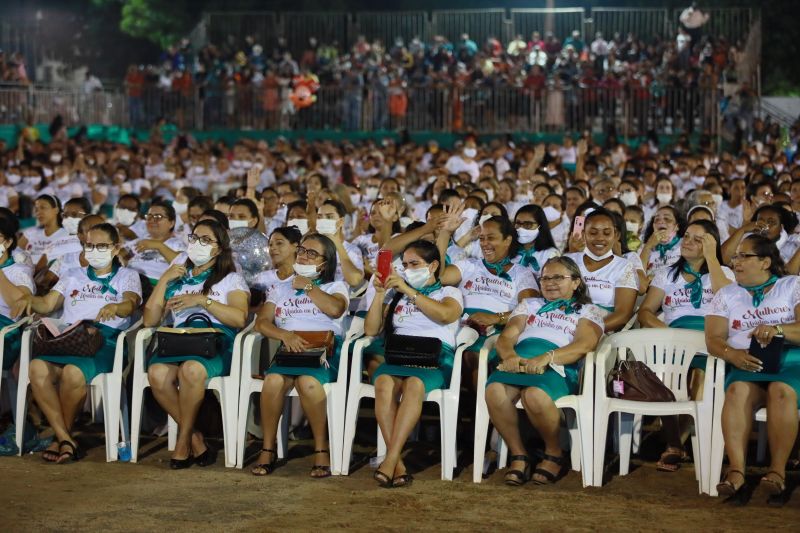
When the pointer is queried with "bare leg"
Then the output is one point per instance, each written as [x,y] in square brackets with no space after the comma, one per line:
[407,417]
[741,399]
[43,378]
[192,377]
[781,425]
[72,393]
[314,402]
[273,394]
[164,385]
[545,417]
[387,400]
[501,399]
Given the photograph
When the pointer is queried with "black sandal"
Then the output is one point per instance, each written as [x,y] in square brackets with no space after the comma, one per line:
[516,478]
[383,479]
[264,469]
[726,488]
[549,476]
[51,456]
[72,456]
[403,480]
[324,469]
[671,459]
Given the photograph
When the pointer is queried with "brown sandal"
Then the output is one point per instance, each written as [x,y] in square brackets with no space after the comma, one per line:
[770,486]
[671,459]
[726,488]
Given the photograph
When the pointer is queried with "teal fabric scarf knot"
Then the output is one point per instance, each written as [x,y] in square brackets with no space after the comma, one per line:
[497,268]
[429,289]
[567,304]
[315,282]
[8,262]
[527,259]
[105,282]
[758,290]
[187,279]
[695,287]
[664,248]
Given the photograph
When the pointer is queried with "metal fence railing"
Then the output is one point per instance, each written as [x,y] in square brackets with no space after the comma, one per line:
[643,22]
[480,24]
[327,27]
[41,105]
[731,22]
[388,25]
[561,21]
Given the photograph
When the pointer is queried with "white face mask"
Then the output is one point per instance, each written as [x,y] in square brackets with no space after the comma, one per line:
[628,198]
[741,169]
[168,176]
[47,172]
[199,254]
[327,226]
[632,227]
[306,271]
[417,277]
[71,225]
[199,170]
[606,255]
[233,224]
[551,213]
[126,188]
[55,158]
[62,180]
[180,207]
[489,195]
[126,217]
[470,152]
[483,219]
[717,199]
[663,198]
[33,181]
[355,198]
[527,236]
[698,180]
[13,179]
[526,197]
[301,223]
[371,193]
[98,259]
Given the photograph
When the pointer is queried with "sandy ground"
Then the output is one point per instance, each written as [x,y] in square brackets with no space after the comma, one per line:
[92,495]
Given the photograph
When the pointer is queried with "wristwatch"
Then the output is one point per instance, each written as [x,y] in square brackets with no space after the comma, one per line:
[308,287]
[208,302]
[779,329]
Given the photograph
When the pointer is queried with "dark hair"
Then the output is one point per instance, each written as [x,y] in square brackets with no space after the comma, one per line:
[323,180]
[581,293]
[131,197]
[616,201]
[8,229]
[622,231]
[224,264]
[708,227]
[82,202]
[290,233]
[396,228]
[430,253]
[785,216]
[250,205]
[763,247]
[446,194]
[217,215]
[54,202]
[503,210]
[167,207]
[544,240]
[112,234]
[507,229]
[341,210]
[203,202]
[328,255]
[292,205]
[600,212]
[190,193]
[681,222]
[85,220]
[226,199]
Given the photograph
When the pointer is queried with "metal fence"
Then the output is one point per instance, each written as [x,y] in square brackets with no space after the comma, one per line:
[731,22]
[643,22]
[41,105]
[480,24]
[561,21]
[388,25]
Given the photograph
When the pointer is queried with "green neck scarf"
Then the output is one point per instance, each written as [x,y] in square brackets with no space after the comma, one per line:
[106,281]
[527,259]
[567,304]
[695,287]
[315,282]
[429,289]
[664,248]
[758,290]
[8,262]
[187,279]
[497,268]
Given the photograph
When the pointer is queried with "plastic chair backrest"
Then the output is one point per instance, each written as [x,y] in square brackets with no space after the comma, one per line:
[465,337]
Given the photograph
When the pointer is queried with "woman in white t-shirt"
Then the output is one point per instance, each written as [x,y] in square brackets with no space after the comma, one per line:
[47,210]
[313,301]
[206,284]
[684,292]
[74,211]
[611,279]
[662,240]
[773,222]
[419,307]
[152,255]
[103,292]
[760,306]
[329,221]
[283,245]
[384,223]
[16,284]
[539,354]
[533,233]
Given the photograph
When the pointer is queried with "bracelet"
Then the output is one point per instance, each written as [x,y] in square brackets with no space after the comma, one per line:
[552,356]
[413,299]
[725,352]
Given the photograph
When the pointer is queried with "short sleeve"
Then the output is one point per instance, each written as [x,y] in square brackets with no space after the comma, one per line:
[796,290]
[730,275]
[61,285]
[276,294]
[455,294]
[526,281]
[593,314]
[520,310]
[235,282]
[627,279]
[660,279]
[131,283]
[465,267]
[635,260]
[338,287]
[20,277]
[356,257]
[719,304]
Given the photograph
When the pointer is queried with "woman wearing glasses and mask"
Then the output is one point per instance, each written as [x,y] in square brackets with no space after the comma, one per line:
[313,301]
[207,284]
[103,292]
[536,241]
[152,255]
[763,304]
[539,352]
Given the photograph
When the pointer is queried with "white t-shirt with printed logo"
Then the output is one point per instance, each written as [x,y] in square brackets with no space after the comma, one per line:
[219,292]
[65,263]
[354,253]
[20,275]
[62,246]
[655,262]
[484,290]
[83,298]
[38,242]
[295,312]
[409,320]
[736,305]
[618,274]
[150,262]
[369,249]
[268,279]
[677,301]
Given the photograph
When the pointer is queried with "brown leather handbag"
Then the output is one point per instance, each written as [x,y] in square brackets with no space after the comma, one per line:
[320,347]
[83,340]
[633,380]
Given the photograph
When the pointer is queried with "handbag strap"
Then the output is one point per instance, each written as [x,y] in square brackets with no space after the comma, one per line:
[201,317]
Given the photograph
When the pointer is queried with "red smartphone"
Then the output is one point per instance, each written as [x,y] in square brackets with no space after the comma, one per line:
[577,230]
[384,264]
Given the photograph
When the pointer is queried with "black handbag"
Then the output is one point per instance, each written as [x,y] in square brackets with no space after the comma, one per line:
[407,350]
[171,342]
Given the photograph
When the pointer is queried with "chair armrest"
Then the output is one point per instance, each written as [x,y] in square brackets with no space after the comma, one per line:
[466,337]
[356,366]
[119,353]
[236,355]
[251,352]
[587,376]
[604,360]
[483,360]
[8,329]
[143,337]
[714,380]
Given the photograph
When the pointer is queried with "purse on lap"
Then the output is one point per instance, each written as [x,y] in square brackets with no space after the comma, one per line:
[177,342]
[320,346]
[83,340]
[407,350]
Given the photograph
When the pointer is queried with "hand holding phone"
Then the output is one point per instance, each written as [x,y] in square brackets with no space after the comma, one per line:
[384,264]
[577,229]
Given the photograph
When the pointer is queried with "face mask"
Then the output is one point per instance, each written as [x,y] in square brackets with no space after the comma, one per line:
[371,193]
[483,219]
[247,165]
[417,277]
[199,254]
[168,176]
[741,169]
[779,167]
[71,225]
[180,207]
[551,213]
[528,197]
[628,198]
[126,217]
[632,227]
[33,181]
[233,224]
[306,271]
[47,172]
[684,175]
[489,195]
[98,259]
[326,226]
[301,223]
[527,236]
[598,257]
[470,152]
[199,170]
[717,199]
[126,188]
[355,198]
[559,191]
[698,180]
[62,180]
[663,198]
[337,162]
[55,158]
[13,179]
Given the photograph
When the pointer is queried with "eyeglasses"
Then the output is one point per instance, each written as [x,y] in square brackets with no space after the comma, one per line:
[526,225]
[311,254]
[150,217]
[74,214]
[739,257]
[557,279]
[203,240]
[100,247]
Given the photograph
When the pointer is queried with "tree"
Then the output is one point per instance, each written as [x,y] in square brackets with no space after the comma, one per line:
[162,22]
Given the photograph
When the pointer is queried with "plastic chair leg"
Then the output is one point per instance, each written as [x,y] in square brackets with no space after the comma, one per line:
[449,424]
[761,450]
[625,429]
[350,423]
[241,427]
[172,433]
[636,441]
[600,435]
[481,433]
[22,405]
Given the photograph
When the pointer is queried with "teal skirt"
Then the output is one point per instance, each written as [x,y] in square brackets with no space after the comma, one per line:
[697,323]
[432,378]
[551,382]
[219,365]
[322,374]
[12,343]
[789,372]
[101,363]
[478,345]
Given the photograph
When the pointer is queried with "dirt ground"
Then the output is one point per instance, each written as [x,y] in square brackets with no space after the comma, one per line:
[92,495]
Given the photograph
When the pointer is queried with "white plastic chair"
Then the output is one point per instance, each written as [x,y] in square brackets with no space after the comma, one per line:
[108,386]
[669,355]
[447,400]
[6,375]
[335,393]
[579,412]
[226,388]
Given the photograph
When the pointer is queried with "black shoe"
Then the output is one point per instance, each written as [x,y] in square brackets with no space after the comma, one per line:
[207,458]
[180,464]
